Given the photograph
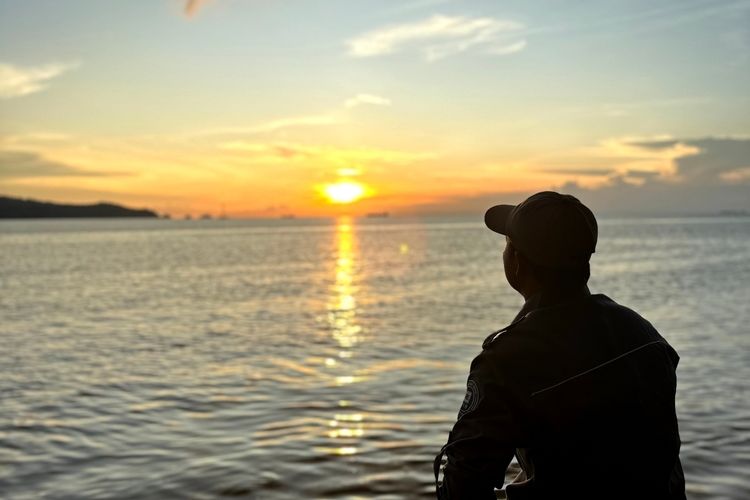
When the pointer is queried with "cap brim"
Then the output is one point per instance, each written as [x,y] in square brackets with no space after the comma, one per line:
[496,218]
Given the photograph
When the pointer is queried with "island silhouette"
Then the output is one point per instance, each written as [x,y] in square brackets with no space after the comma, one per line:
[18,208]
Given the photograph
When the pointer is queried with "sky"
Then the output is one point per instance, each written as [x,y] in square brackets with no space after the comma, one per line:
[256,108]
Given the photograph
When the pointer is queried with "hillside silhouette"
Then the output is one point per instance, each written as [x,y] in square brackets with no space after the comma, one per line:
[17,208]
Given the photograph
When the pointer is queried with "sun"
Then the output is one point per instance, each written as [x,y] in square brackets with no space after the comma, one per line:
[344,192]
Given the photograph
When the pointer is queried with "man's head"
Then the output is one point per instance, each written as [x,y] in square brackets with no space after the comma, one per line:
[549,240]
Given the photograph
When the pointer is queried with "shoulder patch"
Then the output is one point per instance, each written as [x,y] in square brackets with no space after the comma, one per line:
[471,399]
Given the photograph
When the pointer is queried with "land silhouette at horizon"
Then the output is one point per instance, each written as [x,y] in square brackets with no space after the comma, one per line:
[21,208]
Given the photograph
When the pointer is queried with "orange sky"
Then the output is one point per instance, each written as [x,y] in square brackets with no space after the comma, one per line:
[253,108]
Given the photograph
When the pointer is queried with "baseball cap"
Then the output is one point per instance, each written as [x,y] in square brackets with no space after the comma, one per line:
[549,228]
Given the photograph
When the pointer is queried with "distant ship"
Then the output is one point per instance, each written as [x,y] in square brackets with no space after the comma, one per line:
[287,216]
[375,215]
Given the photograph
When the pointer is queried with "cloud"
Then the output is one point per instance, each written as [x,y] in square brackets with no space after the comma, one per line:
[695,161]
[618,198]
[25,164]
[33,139]
[441,36]
[335,117]
[653,197]
[193,6]
[708,159]
[360,99]
[656,144]
[641,174]
[277,124]
[17,81]
[628,154]
[323,155]
[299,121]
[659,176]
[503,50]
[593,172]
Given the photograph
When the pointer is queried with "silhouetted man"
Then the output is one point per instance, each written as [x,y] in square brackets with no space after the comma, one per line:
[580,389]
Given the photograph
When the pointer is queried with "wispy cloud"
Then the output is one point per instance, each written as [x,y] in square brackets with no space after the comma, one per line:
[704,160]
[335,117]
[631,157]
[662,159]
[648,176]
[31,138]
[299,121]
[331,155]
[277,124]
[17,81]
[371,99]
[441,36]
[586,172]
[26,164]
[503,50]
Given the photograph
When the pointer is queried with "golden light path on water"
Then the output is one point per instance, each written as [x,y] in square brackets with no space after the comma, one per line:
[342,318]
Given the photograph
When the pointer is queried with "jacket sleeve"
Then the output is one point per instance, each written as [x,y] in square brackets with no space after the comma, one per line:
[483,439]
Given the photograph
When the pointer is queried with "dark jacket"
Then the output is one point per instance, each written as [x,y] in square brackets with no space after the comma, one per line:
[582,392]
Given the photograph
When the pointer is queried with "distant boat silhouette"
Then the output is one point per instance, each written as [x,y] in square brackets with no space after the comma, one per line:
[288,216]
[206,217]
[374,215]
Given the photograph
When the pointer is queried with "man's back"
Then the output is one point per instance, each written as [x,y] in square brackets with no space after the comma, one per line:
[598,398]
[588,389]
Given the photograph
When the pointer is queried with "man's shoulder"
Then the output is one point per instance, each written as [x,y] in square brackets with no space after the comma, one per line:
[597,312]
[511,339]
[501,333]
[538,321]
[623,315]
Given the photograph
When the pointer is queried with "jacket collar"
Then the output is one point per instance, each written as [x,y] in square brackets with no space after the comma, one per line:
[549,298]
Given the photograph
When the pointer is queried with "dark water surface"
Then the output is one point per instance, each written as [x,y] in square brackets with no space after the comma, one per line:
[316,359]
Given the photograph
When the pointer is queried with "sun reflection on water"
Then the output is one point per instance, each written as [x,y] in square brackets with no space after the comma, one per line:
[342,308]
[344,428]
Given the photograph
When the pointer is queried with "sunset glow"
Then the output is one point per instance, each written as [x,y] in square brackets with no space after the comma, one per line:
[344,192]
[424,107]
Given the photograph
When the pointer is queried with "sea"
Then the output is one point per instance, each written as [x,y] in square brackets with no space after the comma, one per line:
[305,359]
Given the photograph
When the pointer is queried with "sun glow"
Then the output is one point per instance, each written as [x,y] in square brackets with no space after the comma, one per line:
[344,192]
